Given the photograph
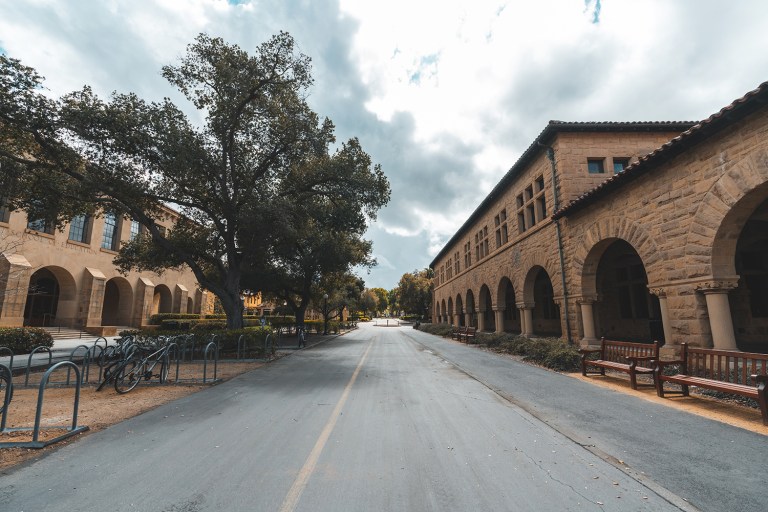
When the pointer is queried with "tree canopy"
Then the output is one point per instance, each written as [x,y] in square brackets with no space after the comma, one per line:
[260,153]
[414,292]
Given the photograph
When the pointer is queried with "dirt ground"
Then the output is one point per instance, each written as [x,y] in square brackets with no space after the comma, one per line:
[98,410]
[725,411]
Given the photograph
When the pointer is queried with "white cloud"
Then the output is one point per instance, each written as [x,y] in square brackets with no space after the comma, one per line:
[444,94]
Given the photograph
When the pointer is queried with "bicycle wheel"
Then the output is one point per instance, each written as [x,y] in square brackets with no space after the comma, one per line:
[129,375]
[164,367]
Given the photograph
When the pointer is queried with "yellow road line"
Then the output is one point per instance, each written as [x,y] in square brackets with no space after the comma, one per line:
[294,494]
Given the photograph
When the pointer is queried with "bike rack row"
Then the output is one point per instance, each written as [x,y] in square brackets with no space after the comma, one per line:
[6,378]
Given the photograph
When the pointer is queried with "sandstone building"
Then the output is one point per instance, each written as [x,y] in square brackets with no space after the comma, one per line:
[66,277]
[632,231]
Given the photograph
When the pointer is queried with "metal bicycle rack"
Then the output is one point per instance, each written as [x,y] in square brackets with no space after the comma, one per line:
[71,430]
[212,347]
[7,378]
[29,361]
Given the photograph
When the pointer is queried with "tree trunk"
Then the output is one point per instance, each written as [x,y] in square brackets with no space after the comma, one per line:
[233,308]
[300,312]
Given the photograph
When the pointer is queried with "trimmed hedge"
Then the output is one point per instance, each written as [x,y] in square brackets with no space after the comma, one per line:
[157,319]
[553,353]
[22,340]
[225,339]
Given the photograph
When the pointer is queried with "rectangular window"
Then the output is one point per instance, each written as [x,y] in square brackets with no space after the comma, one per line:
[595,166]
[530,215]
[541,208]
[528,193]
[5,213]
[521,222]
[540,184]
[619,164]
[79,229]
[457,263]
[520,201]
[109,239]
[504,234]
[41,225]
[135,229]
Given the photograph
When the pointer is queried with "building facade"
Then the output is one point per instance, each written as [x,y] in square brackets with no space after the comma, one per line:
[631,231]
[67,278]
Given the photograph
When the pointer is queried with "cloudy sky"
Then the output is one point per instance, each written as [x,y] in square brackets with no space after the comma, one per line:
[444,94]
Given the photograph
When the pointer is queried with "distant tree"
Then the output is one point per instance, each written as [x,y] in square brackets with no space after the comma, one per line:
[342,290]
[368,302]
[393,301]
[129,156]
[415,292]
[382,302]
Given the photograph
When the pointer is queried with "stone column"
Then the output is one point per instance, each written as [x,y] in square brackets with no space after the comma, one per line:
[526,318]
[671,346]
[142,307]
[15,271]
[481,321]
[467,318]
[719,309]
[180,299]
[588,320]
[92,299]
[456,320]
[498,313]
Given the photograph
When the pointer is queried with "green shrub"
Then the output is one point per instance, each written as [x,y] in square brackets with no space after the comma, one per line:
[23,339]
[208,326]
[436,329]
[158,318]
[253,341]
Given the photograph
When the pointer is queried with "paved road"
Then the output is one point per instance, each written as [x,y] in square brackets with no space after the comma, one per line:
[378,419]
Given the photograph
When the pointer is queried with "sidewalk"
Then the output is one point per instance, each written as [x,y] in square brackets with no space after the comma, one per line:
[61,351]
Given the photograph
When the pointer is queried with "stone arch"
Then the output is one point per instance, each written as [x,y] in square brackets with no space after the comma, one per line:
[443,312]
[616,283]
[117,306]
[470,309]
[162,301]
[542,312]
[486,320]
[590,248]
[532,263]
[507,303]
[723,211]
[51,298]
[460,310]
[450,309]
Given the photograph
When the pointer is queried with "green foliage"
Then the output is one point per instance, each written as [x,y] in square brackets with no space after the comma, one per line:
[414,292]
[551,353]
[436,329]
[253,174]
[158,318]
[22,340]
[208,326]
[253,341]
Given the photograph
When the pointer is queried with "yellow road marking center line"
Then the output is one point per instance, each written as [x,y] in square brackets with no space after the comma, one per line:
[294,494]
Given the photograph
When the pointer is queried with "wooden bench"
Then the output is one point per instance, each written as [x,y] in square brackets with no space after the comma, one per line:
[623,356]
[727,371]
[457,332]
[469,334]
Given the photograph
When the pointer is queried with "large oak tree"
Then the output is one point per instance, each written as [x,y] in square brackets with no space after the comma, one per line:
[257,143]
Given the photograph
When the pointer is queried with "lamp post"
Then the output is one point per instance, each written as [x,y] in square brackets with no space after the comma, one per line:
[325,314]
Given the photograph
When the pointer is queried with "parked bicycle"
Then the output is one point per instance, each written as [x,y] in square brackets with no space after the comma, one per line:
[140,365]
